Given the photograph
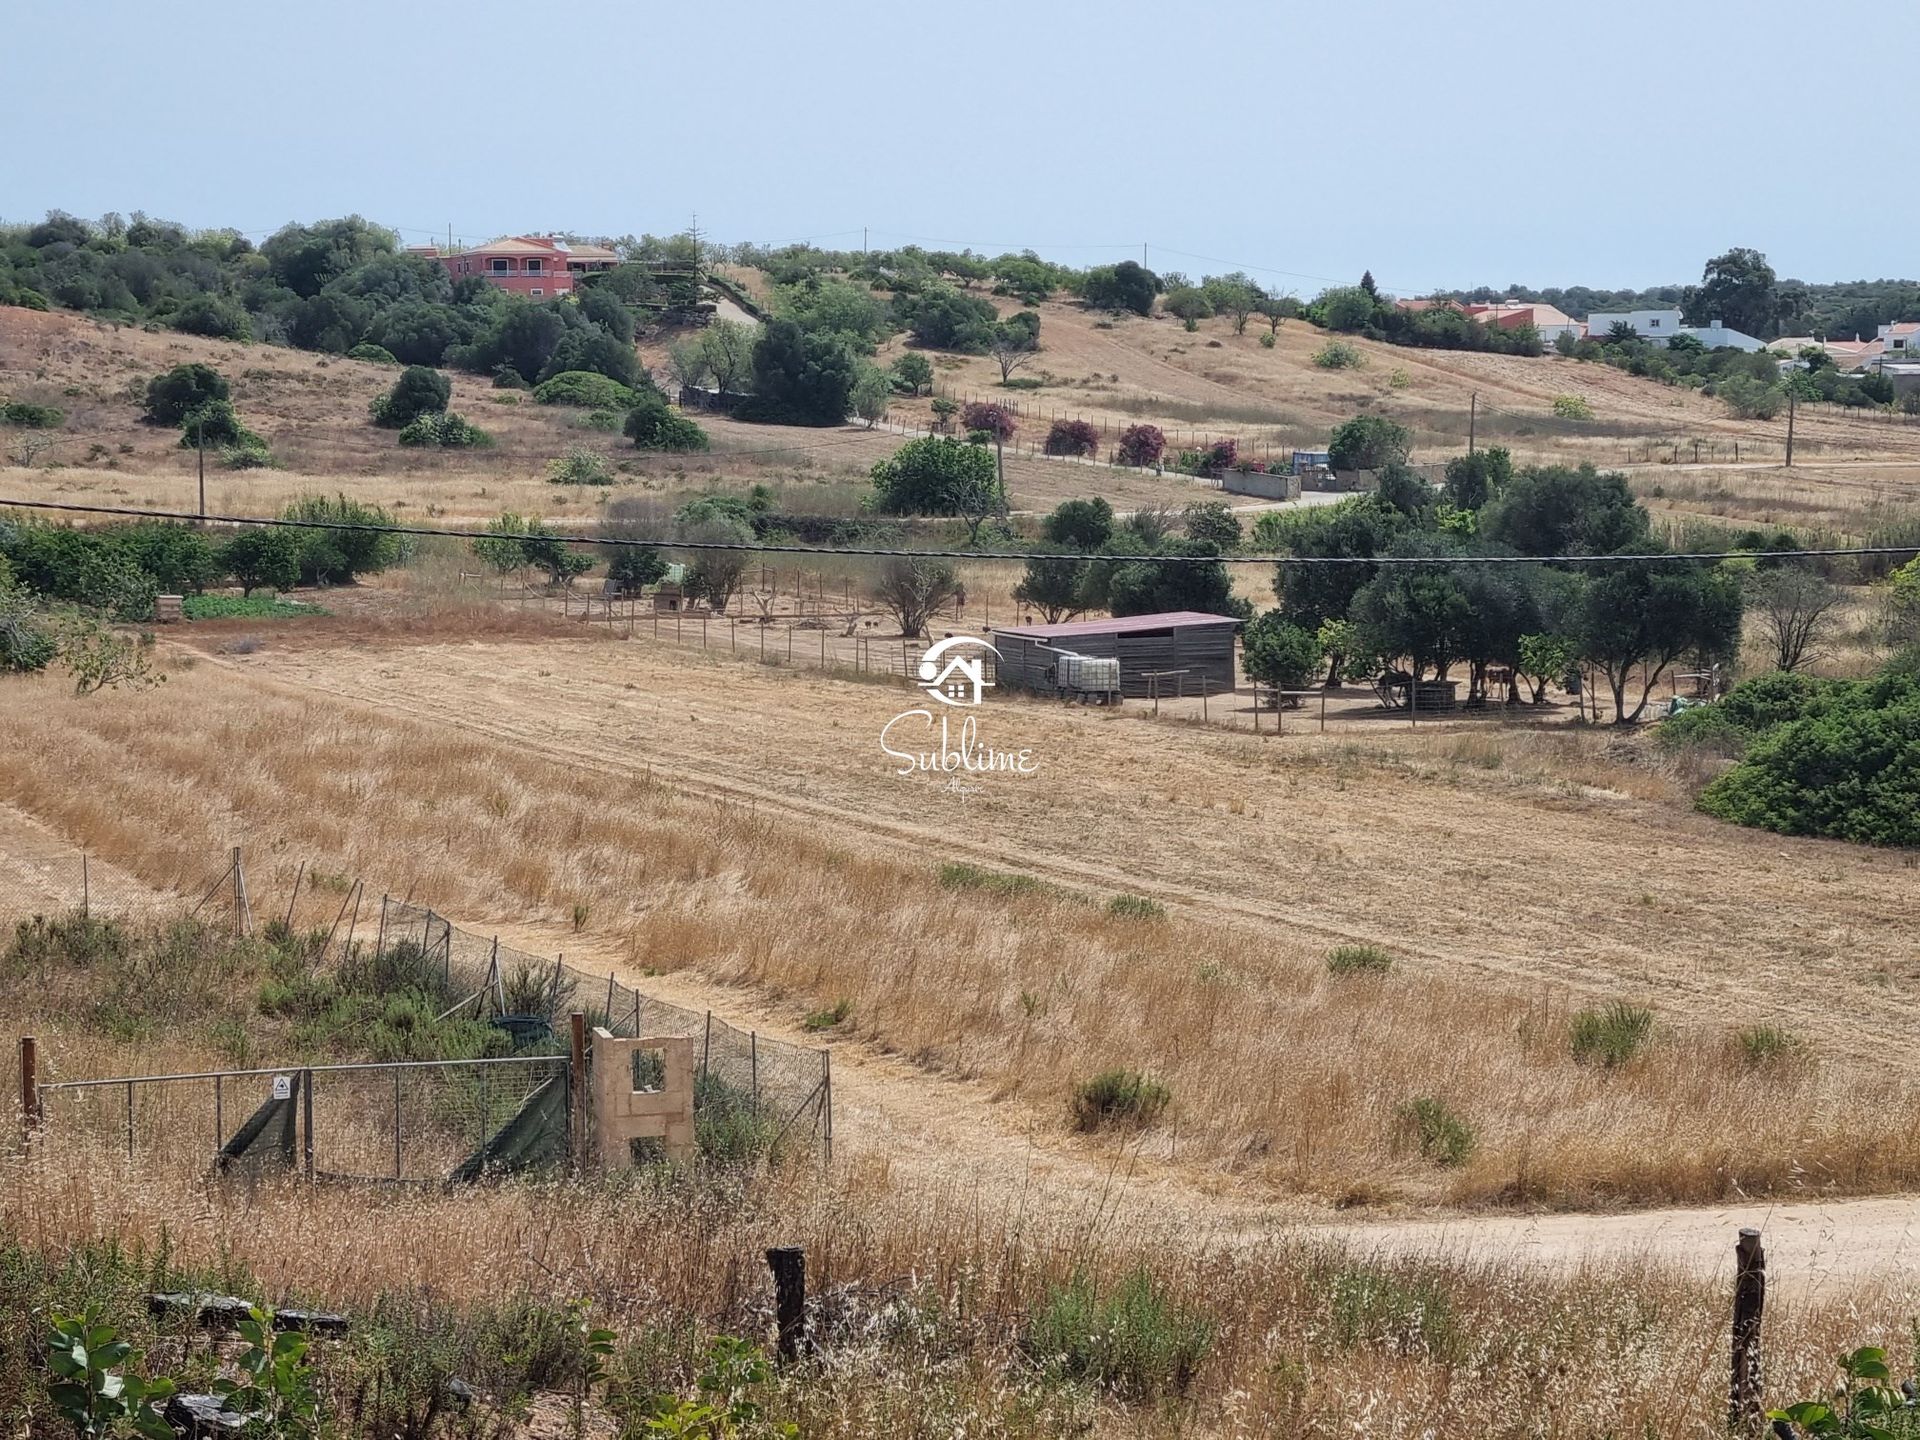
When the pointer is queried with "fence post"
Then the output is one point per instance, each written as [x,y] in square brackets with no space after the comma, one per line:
[1749,1302]
[306,1121]
[706,1046]
[86,909]
[380,945]
[789,1266]
[577,1087]
[242,913]
[299,876]
[29,1086]
[753,1043]
[826,1081]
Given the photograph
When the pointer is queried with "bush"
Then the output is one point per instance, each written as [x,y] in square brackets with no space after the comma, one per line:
[826,1019]
[1118,1099]
[960,876]
[1572,407]
[1127,286]
[1706,729]
[1073,437]
[1338,355]
[1135,907]
[333,556]
[997,420]
[913,373]
[373,355]
[1369,442]
[183,390]
[245,607]
[580,466]
[652,426]
[1612,1035]
[1440,1135]
[250,454]
[1751,399]
[1763,1047]
[606,421]
[1135,1341]
[1358,960]
[935,475]
[212,315]
[1280,653]
[1142,445]
[587,390]
[419,391]
[446,430]
[216,425]
[32,417]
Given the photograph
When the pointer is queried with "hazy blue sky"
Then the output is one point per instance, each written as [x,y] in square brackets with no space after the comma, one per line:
[1536,141]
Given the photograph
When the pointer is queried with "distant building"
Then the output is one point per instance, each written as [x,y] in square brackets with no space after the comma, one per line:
[1549,320]
[1902,336]
[1176,653]
[1660,326]
[535,266]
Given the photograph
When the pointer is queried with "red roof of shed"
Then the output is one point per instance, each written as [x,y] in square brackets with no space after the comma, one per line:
[1120,625]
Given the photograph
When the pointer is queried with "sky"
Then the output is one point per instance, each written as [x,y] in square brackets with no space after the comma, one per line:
[1538,142]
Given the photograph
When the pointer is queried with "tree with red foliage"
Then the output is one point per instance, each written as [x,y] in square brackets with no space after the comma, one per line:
[997,420]
[1142,445]
[1218,457]
[1073,437]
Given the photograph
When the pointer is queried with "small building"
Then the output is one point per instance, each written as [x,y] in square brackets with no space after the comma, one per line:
[536,266]
[1660,326]
[1186,649]
[1897,339]
[670,591]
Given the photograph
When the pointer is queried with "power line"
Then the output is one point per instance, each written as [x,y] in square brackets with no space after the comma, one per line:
[887,552]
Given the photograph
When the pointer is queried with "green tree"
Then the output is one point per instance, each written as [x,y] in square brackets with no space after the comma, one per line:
[652,425]
[182,390]
[1151,584]
[1079,524]
[1558,510]
[304,258]
[1474,479]
[263,557]
[913,589]
[1354,530]
[550,555]
[1348,311]
[798,378]
[1368,442]
[1188,303]
[714,575]
[1234,296]
[1211,522]
[1126,286]
[1739,290]
[419,391]
[1056,587]
[501,548]
[588,347]
[347,540]
[1636,619]
[418,332]
[914,371]
[872,393]
[727,346]
[1279,653]
[1013,342]
[936,475]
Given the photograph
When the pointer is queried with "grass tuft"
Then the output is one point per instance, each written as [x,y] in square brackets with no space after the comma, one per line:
[1135,1340]
[1358,960]
[1136,907]
[1441,1136]
[960,876]
[826,1019]
[1118,1099]
[1611,1035]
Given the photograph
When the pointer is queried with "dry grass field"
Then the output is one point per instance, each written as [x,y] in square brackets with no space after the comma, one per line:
[740,823]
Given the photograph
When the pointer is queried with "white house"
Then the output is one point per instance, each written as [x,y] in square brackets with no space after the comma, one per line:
[1903,335]
[1660,326]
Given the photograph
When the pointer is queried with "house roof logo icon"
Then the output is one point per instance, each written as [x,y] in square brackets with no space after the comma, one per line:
[954,672]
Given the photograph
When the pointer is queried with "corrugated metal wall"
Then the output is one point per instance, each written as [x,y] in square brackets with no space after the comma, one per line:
[1204,652]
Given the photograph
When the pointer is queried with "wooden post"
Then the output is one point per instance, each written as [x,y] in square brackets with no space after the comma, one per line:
[1749,1302]
[241,919]
[789,1266]
[577,1080]
[29,1086]
[297,879]
[86,897]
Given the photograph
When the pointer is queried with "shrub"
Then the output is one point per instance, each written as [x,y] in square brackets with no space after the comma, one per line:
[1135,907]
[935,475]
[1284,655]
[1369,442]
[826,1019]
[1142,445]
[606,421]
[419,391]
[1611,1035]
[652,426]
[913,372]
[1338,355]
[585,389]
[216,425]
[961,876]
[1126,286]
[1118,1099]
[1751,399]
[1358,960]
[1135,1341]
[1267,341]
[182,390]
[1073,437]
[1572,407]
[1706,729]
[1440,1135]
[997,420]
[250,454]
[212,315]
[373,355]
[32,417]
[446,430]
[334,556]
[1761,1047]
[580,466]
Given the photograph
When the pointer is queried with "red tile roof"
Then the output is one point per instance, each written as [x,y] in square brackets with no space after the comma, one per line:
[1118,625]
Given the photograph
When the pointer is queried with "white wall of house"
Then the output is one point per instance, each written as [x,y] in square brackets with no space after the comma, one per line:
[1652,324]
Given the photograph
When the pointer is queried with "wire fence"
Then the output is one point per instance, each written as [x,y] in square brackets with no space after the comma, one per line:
[403,1121]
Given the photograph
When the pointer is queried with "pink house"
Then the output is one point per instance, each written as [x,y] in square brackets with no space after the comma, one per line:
[538,267]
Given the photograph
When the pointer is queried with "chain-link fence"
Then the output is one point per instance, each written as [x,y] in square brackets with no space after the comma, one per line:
[754,1098]
[750,1094]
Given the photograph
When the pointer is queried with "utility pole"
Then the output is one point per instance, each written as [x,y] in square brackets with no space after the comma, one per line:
[1000,460]
[1143,256]
[863,240]
[1790,410]
[200,449]
[1473,419]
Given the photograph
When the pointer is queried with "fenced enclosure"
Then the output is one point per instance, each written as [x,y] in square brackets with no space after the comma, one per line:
[400,1121]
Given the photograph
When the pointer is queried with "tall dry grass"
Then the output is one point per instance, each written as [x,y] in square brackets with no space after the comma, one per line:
[1282,1075]
[929,1292]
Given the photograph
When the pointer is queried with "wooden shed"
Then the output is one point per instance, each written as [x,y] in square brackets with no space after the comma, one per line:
[1198,645]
